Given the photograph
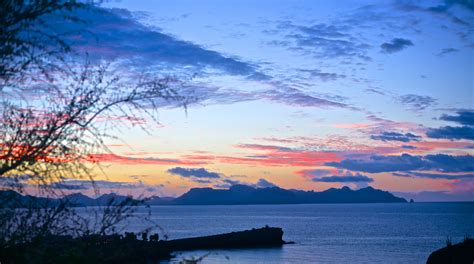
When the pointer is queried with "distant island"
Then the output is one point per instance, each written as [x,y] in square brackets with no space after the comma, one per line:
[235,195]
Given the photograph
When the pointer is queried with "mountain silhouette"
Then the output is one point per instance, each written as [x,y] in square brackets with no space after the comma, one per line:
[235,195]
[243,194]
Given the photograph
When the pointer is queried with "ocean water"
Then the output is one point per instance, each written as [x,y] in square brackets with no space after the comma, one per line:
[324,233]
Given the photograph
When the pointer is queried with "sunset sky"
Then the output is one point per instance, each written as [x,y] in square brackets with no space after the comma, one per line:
[298,94]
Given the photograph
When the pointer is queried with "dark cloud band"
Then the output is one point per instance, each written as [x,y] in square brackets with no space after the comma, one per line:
[406,162]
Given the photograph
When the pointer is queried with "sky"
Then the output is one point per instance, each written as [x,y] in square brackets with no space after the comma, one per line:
[299,94]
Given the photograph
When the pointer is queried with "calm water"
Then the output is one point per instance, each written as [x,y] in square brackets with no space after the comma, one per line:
[325,233]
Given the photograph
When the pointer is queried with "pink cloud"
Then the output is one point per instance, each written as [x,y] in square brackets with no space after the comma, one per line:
[113,158]
[352,126]
[272,156]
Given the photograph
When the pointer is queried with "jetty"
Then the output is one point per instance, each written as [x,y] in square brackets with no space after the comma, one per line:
[254,238]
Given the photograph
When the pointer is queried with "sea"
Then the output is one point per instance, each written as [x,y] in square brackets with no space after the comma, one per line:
[322,233]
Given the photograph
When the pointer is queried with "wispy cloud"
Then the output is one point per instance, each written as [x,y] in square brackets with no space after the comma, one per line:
[114,158]
[395,136]
[267,155]
[442,10]
[323,76]
[435,175]
[299,98]
[321,40]
[417,102]
[80,185]
[447,51]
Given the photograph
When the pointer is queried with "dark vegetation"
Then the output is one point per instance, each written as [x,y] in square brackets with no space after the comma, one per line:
[130,248]
[461,253]
[86,249]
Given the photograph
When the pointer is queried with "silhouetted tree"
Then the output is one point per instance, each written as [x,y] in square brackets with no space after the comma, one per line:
[28,43]
[55,114]
[54,135]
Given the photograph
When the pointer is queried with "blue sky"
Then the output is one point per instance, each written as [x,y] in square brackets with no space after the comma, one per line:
[287,92]
[329,49]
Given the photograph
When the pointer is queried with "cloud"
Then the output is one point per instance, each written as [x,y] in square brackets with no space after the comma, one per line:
[280,93]
[298,98]
[315,173]
[416,102]
[396,45]
[449,3]
[279,156]
[453,133]
[443,10]
[466,131]
[324,76]
[407,162]
[268,155]
[465,3]
[394,136]
[77,184]
[204,181]
[321,40]
[64,186]
[217,180]
[15,180]
[109,184]
[436,196]
[114,158]
[408,147]
[191,172]
[447,51]
[435,175]
[116,34]
[262,183]
[430,146]
[344,179]
[69,184]
[463,117]
[229,182]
